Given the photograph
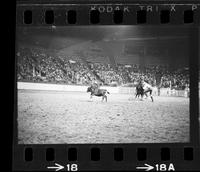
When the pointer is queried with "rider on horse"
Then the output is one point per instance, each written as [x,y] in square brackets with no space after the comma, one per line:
[139,90]
[95,85]
[147,88]
[143,88]
[95,91]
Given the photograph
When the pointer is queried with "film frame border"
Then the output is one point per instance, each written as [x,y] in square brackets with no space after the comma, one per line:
[176,11]
[107,150]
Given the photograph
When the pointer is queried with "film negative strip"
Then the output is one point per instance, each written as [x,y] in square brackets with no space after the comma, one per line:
[107,86]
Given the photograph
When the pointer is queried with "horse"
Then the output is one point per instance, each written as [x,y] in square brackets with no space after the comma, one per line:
[142,89]
[98,92]
[139,91]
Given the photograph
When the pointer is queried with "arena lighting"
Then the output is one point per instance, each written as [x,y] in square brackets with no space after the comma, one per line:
[118,32]
[126,33]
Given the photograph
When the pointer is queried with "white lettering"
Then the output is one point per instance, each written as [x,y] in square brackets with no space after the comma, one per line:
[173,8]
[141,7]
[156,8]
[109,9]
[194,7]
[126,9]
[117,8]
[93,8]
[149,8]
[101,9]
[171,167]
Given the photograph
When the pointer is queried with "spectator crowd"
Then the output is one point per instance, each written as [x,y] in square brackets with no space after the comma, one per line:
[37,65]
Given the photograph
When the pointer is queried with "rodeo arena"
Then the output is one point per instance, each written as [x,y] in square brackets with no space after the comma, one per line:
[103,84]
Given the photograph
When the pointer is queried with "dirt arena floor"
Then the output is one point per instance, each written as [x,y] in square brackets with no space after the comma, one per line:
[49,117]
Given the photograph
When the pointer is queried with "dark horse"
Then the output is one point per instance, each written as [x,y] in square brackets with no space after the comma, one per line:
[98,92]
[140,91]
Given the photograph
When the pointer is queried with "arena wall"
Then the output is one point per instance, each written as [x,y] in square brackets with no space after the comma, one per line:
[59,87]
[77,88]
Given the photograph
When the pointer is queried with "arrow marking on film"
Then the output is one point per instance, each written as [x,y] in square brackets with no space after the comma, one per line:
[146,168]
[57,167]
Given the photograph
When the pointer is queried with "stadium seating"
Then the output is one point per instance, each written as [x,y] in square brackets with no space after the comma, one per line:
[39,65]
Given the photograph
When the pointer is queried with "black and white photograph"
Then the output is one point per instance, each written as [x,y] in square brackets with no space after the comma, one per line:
[103,84]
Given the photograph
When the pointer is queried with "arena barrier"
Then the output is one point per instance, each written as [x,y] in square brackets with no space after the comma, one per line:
[78,88]
[131,90]
[173,93]
[59,87]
